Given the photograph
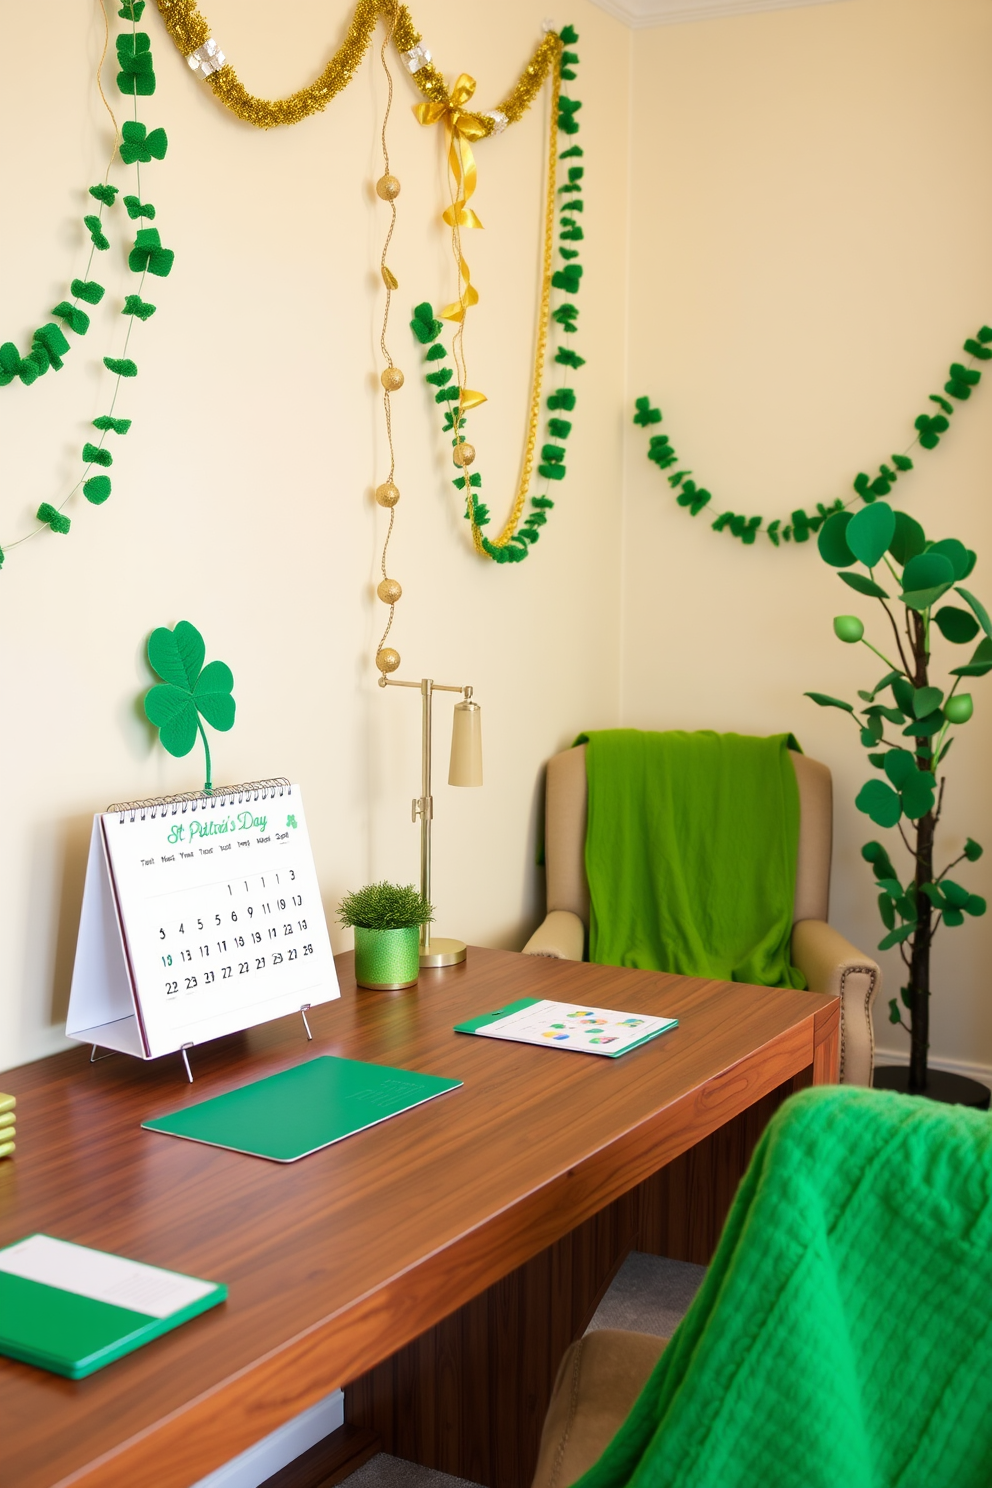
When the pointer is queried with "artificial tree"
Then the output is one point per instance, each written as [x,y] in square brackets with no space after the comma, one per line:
[906,794]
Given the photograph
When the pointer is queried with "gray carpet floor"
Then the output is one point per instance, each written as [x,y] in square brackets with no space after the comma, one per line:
[648,1295]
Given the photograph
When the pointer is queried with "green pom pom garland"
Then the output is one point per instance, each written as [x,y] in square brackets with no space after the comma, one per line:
[49,344]
[930,427]
[427,330]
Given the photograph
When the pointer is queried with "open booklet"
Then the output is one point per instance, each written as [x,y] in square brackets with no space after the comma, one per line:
[567,1025]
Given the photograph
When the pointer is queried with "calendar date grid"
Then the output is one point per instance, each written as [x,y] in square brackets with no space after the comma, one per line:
[252,925]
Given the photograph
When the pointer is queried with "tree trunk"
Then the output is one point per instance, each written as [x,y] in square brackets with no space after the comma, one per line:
[919,962]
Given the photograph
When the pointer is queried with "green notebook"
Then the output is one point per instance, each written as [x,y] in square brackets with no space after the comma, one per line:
[300,1110]
[72,1310]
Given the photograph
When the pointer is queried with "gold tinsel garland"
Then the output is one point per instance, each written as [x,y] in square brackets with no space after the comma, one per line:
[190,30]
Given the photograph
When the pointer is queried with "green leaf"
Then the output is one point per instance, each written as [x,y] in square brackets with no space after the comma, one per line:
[880,802]
[923,728]
[875,854]
[878,760]
[173,712]
[973,850]
[887,910]
[177,655]
[872,733]
[922,599]
[899,766]
[903,692]
[878,710]
[956,625]
[908,540]
[894,1016]
[832,541]
[891,886]
[894,937]
[981,613]
[956,894]
[925,700]
[870,532]
[956,554]
[975,905]
[860,583]
[212,695]
[918,794]
[927,571]
[953,917]
[889,678]
[823,700]
[980,663]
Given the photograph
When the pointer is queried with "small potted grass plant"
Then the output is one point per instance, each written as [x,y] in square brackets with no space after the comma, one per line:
[386,919]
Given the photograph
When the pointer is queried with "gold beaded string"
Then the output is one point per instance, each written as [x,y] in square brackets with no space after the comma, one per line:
[543,323]
[190,30]
[463,453]
[388,189]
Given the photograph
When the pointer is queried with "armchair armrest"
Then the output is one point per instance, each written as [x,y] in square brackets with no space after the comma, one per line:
[562,936]
[831,964]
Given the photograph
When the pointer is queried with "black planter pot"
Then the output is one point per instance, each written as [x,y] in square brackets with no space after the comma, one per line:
[953,1090]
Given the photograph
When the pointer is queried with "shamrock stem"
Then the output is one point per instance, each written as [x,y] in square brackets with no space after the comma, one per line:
[208,783]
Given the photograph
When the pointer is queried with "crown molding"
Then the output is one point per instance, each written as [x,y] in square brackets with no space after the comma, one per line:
[639,14]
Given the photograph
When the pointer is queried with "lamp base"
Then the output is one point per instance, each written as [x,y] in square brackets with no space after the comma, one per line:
[443,952]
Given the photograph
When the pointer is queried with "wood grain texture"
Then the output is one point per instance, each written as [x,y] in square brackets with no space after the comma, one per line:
[335,1262]
[469,1396]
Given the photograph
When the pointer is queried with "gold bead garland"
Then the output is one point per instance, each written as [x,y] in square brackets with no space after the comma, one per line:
[387,494]
[190,30]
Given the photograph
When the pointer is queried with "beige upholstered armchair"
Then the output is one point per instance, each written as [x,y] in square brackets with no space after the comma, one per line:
[828,961]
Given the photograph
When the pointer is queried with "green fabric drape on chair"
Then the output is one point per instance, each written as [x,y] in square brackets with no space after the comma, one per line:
[842,1337]
[691,850]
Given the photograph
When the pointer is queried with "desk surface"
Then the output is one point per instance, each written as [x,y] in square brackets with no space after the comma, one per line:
[336,1261]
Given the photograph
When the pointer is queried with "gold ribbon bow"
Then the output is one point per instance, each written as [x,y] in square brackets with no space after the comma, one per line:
[461,128]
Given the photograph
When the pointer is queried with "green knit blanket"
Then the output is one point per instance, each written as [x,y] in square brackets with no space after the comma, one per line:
[691,853]
[842,1337]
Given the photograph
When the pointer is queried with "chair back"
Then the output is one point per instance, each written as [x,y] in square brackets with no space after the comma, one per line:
[565,835]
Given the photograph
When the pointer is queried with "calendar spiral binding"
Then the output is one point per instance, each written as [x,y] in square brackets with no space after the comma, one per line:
[224,795]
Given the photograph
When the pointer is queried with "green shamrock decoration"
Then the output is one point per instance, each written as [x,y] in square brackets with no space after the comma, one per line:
[134,57]
[149,254]
[188,691]
[138,144]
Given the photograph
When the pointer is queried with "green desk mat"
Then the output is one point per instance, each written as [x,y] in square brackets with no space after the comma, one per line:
[289,1115]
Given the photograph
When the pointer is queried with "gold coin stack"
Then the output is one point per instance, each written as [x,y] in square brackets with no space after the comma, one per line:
[7,1104]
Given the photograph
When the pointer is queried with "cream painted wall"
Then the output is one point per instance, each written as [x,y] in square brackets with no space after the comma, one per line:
[242,494]
[811,240]
[808,242]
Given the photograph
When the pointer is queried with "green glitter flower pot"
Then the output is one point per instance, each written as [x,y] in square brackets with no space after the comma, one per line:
[387,959]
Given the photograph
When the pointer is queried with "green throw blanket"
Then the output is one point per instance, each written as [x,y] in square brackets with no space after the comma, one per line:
[842,1337]
[691,853]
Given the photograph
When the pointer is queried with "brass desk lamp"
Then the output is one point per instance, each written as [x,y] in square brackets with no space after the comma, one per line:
[465,769]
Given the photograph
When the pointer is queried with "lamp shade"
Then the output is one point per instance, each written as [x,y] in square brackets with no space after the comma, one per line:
[466,745]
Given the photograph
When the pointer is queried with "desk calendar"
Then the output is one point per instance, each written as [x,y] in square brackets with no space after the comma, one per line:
[201,916]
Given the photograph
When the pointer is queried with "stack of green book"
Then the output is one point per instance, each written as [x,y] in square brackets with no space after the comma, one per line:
[7,1104]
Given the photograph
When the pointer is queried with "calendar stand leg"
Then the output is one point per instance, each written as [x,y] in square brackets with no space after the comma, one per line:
[95,1057]
[303,1014]
[189,1072]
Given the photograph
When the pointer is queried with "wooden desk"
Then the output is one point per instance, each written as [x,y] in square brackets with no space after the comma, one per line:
[340,1260]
